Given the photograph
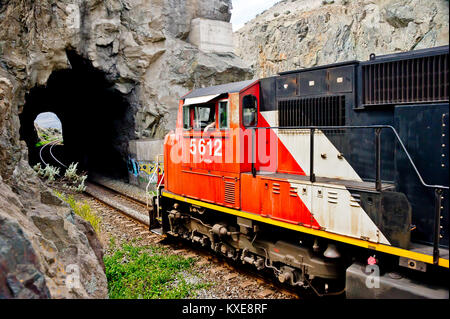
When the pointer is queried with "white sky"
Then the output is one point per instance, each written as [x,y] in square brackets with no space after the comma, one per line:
[245,10]
[48,119]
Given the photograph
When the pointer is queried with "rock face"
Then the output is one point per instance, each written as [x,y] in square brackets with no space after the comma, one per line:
[296,34]
[140,47]
[138,44]
[47,251]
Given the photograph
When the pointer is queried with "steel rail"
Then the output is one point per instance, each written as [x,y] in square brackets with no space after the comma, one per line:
[51,144]
[40,154]
[57,142]
[125,210]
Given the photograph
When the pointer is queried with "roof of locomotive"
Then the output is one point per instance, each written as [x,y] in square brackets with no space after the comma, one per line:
[219,89]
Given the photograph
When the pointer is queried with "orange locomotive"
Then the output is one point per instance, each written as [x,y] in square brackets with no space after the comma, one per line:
[272,173]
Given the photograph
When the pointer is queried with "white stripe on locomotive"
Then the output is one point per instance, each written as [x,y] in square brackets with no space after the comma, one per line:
[336,209]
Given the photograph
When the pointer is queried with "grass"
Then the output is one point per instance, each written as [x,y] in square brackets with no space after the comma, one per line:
[137,271]
[46,141]
[149,272]
[83,210]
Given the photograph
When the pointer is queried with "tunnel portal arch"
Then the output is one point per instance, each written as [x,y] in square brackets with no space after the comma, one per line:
[97,120]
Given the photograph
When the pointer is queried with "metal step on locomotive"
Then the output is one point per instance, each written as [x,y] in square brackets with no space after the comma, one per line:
[334,178]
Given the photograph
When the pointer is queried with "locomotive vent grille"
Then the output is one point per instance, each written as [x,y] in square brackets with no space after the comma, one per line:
[230,188]
[316,111]
[423,79]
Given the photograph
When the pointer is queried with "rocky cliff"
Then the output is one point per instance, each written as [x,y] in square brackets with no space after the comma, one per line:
[296,34]
[139,53]
[45,250]
[140,45]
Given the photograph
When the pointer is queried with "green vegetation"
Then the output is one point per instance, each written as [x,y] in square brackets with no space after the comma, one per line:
[41,143]
[83,210]
[48,172]
[149,272]
[75,182]
[152,193]
[47,135]
[71,180]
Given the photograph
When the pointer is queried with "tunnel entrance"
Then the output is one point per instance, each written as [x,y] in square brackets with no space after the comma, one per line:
[48,129]
[97,120]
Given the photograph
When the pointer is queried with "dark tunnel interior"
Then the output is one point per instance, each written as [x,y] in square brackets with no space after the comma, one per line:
[97,120]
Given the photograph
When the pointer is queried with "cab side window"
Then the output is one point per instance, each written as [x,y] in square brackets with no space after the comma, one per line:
[224,117]
[249,110]
[187,118]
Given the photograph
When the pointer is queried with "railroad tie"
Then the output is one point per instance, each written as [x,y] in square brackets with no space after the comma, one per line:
[230,276]
[217,269]
[247,283]
[265,293]
[202,262]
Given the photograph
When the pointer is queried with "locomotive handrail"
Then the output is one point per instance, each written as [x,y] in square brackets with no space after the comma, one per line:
[155,172]
[438,188]
[360,127]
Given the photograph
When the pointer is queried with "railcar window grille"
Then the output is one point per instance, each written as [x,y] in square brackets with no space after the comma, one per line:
[317,111]
[423,79]
[229,192]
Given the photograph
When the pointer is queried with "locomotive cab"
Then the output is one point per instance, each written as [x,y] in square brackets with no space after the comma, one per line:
[208,141]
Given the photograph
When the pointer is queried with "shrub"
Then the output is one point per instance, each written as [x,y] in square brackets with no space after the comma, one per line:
[75,182]
[71,181]
[83,210]
[48,172]
[71,172]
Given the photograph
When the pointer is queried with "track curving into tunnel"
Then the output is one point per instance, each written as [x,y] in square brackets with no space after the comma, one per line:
[97,120]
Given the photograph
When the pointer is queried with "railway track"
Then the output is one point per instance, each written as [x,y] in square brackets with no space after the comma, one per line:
[46,154]
[134,217]
[134,220]
[134,210]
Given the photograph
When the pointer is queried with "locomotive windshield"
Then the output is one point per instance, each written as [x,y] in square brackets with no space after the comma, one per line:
[199,117]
